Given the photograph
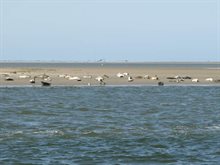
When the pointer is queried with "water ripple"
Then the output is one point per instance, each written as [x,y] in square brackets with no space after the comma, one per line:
[110,125]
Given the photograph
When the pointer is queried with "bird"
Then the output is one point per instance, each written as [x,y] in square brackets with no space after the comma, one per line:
[24,76]
[75,78]
[209,79]
[32,81]
[160,83]
[195,80]
[101,80]
[126,74]
[130,79]
[120,75]
[154,78]
[146,77]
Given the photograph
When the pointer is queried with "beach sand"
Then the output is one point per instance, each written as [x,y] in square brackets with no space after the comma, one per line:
[110,78]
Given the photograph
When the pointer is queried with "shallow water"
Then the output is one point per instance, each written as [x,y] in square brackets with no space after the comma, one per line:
[207,65]
[110,125]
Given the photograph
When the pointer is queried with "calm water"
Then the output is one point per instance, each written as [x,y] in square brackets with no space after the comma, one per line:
[110,125]
[120,65]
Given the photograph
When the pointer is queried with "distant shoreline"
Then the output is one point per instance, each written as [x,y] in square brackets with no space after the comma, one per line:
[117,62]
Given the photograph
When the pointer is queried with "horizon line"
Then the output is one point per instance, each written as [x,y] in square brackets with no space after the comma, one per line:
[101,61]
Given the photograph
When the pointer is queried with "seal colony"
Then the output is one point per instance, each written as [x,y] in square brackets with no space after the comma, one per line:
[105,75]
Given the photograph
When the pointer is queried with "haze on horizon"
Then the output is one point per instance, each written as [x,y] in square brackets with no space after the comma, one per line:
[112,30]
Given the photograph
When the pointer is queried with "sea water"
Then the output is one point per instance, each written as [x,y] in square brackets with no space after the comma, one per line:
[110,125]
[204,65]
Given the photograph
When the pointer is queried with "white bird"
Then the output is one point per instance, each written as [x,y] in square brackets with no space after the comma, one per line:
[154,78]
[130,79]
[75,78]
[146,77]
[99,78]
[195,80]
[125,74]
[120,75]
[32,81]
[177,77]
[209,79]
[24,76]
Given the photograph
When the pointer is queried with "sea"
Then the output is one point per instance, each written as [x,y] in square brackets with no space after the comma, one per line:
[40,64]
[116,125]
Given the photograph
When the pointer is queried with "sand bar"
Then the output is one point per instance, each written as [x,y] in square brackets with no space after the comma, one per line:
[141,75]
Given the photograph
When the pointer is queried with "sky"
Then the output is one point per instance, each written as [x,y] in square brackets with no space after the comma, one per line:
[112,30]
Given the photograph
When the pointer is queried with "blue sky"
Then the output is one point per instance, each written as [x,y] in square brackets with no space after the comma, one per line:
[114,30]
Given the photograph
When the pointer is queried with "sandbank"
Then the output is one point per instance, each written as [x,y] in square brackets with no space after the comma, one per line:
[109,73]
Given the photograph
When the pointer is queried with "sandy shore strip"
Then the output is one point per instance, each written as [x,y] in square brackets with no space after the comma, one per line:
[89,76]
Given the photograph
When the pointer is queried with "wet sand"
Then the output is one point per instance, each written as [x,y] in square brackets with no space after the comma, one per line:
[110,75]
